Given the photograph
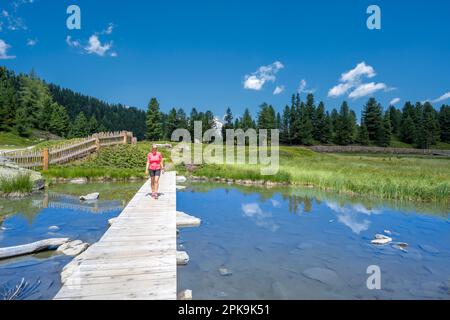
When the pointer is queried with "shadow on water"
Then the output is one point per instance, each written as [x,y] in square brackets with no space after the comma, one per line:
[57,213]
[297,243]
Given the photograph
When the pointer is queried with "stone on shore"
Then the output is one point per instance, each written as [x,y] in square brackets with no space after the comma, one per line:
[73,248]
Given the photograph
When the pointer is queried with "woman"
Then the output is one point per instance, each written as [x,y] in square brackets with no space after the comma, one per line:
[155,164]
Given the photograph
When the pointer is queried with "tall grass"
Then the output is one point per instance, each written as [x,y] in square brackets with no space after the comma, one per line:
[21,183]
[403,178]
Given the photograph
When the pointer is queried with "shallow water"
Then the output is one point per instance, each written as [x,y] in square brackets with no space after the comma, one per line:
[301,244]
[32,219]
[269,244]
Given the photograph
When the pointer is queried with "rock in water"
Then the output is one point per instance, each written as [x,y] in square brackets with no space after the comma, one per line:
[225,272]
[381,239]
[400,246]
[73,248]
[53,228]
[326,276]
[90,197]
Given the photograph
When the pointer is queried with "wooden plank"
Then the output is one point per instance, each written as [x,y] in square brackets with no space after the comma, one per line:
[136,257]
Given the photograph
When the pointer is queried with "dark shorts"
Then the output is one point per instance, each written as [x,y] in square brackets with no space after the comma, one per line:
[155,173]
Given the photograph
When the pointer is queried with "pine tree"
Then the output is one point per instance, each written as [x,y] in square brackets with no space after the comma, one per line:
[228,125]
[363,136]
[444,123]
[22,122]
[247,121]
[305,133]
[384,132]
[182,121]
[320,124]
[285,126]
[345,126]
[171,123]
[428,131]
[395,117]
[59,121]
[153,121]
[372,118]
[80,127]
[93,125]
[408,130]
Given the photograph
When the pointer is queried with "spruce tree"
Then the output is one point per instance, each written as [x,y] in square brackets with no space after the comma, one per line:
[408,133]
[80,127]
[59,121]
[372,117]
[384,132]
[22,122]
[345,126]
[153,121]
[363,136]
[285,126]
[228,122]
[444,123]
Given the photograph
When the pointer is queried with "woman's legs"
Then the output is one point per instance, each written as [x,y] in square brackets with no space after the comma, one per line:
[156,185]
[153,185]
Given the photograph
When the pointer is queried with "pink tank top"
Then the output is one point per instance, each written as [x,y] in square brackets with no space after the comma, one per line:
[155,160]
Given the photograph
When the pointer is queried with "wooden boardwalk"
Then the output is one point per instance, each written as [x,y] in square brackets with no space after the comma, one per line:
[136,257]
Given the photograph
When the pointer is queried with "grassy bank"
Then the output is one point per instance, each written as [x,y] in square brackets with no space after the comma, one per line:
[390,177]
[21,184]
[403,178]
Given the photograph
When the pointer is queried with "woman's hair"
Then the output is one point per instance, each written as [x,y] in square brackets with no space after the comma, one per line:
[154,146]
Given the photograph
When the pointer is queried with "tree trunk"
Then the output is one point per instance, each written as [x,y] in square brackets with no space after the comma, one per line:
[31,247]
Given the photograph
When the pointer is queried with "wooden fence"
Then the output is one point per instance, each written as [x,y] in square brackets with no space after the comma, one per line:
[42,159]
[363,149]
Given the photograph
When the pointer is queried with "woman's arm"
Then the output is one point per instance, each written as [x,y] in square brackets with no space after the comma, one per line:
[162,163]
[146,169]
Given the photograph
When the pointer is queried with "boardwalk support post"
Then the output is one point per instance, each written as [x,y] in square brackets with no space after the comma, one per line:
[45,159]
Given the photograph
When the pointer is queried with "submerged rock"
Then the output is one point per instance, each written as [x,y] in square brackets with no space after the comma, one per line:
[225,272]
[53,228]
[400,246]
[90,197]
[323,275]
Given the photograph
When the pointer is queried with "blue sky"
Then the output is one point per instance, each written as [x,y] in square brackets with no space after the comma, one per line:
[209,54]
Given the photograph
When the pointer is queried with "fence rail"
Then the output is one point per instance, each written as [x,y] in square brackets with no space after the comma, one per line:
[32,159]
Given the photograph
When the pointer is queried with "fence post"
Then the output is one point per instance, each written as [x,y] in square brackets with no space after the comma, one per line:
[45,159]
[97,143]
[125,137]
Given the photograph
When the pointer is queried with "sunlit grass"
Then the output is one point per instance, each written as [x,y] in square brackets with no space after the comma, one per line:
[21,183]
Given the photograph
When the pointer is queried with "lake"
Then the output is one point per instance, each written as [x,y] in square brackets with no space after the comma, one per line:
[254,243]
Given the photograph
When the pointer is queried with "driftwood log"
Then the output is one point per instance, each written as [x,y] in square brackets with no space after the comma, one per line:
[32,247]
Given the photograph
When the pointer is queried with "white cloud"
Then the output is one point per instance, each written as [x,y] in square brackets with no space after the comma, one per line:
[302,86]
[4,47]
[351,81]
[394,101]
[278,90]
[445,96]
[264,74]
[31,42]
[366,90]
[109,29]
[96,47]
[94,44]
[72,43]
[358,72]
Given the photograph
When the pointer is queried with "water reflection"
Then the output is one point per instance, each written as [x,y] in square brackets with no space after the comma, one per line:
[57,213]
[285,243]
